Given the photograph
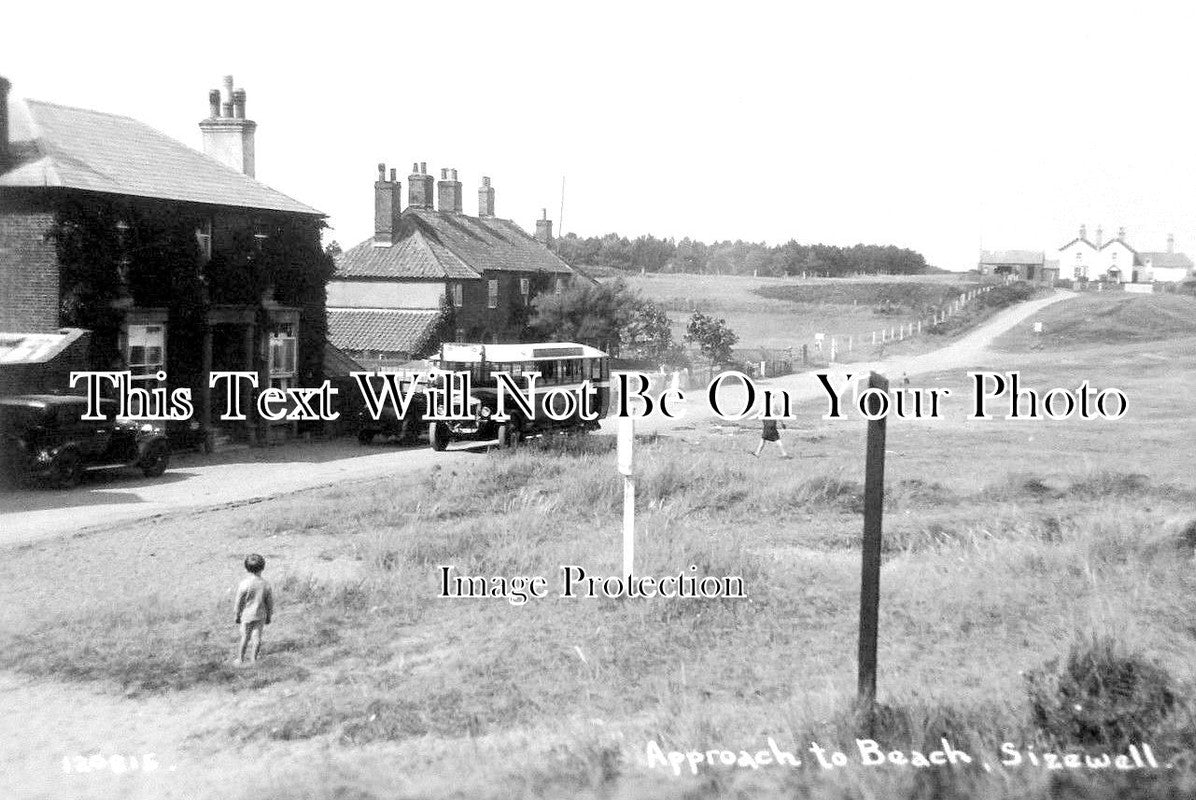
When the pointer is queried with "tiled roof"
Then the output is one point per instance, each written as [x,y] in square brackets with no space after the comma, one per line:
[434,244]
[1167,260]
[390,330]
[410,257]
[1011,257]
[79,149]
[1077,239]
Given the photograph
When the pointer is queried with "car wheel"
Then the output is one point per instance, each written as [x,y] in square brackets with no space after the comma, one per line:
[365,436]
[67,470]
[156,460]
[438,436]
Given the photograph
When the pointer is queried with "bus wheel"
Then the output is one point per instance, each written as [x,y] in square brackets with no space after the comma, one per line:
[508,436]
[438,436]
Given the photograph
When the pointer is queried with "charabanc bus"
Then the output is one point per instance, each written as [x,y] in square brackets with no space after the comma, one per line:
[563,369]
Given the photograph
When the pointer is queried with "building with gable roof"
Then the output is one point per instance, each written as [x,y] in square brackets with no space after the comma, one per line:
[181,259]
[1117,261]
[1029,265]
[430,275]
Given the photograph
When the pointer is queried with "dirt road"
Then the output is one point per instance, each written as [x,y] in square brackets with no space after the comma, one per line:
[196,482]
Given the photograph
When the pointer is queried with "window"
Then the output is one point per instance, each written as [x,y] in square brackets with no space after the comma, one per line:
[492,294]
[525,288]
[145,351]
[282,356]
[203,237]
[458,291]
[460,335]
[560,285]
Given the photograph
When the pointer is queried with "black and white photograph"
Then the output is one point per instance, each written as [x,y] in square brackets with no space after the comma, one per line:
[630,400]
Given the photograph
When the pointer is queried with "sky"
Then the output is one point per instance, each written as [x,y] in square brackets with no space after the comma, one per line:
[942,127]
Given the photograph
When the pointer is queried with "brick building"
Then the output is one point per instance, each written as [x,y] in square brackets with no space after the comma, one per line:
[429,275]
[183,261]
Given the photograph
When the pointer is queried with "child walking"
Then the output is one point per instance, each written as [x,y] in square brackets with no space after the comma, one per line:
[769,433]
[254,607]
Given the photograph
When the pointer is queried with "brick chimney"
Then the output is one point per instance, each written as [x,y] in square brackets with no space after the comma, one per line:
[5,158]
[544,227]
[419,186]
[1170,236]
[388,204]
[1121,234]
[1100,235]
[448,192]
[227,134]
[1083,231]
[486,199]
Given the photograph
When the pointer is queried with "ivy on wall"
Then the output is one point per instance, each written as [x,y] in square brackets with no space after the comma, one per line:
[109,249]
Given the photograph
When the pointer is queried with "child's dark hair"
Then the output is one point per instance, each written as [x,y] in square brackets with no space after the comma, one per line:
[255,563]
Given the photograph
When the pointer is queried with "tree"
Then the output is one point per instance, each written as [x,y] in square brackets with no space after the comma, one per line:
[589,313]
[648,333]
[713,337]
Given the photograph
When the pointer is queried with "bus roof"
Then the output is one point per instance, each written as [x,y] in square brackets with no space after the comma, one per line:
[537,351]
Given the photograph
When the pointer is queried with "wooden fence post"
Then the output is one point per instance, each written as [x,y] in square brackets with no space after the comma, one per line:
[874,493]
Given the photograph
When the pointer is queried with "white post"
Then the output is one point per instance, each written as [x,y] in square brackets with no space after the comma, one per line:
[901,332]
[919,326]
[626,446]
[832,349]
[873,337]
[850,342]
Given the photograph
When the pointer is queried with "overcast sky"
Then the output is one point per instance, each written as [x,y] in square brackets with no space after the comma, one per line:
[938,127]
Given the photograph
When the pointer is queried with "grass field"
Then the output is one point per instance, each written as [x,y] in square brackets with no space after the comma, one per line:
[1006,542]
[787,312]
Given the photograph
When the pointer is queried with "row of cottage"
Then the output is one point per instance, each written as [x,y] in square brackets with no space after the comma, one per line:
[121,248]
[1092,259]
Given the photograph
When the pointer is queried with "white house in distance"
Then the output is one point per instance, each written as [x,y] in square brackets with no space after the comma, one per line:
[1117,261]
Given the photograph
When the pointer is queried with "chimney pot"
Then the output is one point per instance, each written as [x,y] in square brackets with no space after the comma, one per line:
[388,205]
[1121,233]
[227,135]
[419,186]
[486,199]
[544,228]
[448,192]
[1083,231]
[1171,243]
[393,176]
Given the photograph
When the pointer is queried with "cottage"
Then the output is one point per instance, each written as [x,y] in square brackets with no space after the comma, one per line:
[1117,261]
[176,261]
[430,275]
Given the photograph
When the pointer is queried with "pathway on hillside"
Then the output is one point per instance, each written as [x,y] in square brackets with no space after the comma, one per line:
[196,483]
[968,351]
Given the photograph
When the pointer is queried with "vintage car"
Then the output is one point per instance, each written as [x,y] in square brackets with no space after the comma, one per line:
[405,428]
[563,369]
[46,438]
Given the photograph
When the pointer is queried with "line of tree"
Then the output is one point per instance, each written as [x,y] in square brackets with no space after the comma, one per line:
[650,254]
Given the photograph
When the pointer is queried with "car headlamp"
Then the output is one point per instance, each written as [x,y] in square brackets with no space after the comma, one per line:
[485,412]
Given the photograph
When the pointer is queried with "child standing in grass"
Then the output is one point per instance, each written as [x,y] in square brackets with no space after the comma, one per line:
[254,607]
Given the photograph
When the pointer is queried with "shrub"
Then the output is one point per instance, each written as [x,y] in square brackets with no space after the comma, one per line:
[1099,696]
